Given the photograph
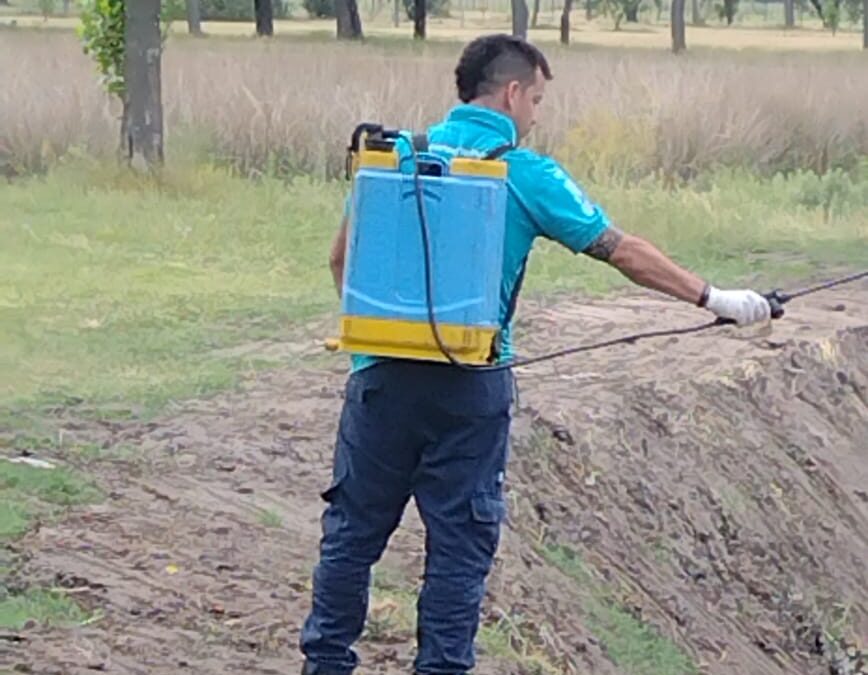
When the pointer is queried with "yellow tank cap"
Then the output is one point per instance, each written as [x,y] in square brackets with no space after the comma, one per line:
[467,166]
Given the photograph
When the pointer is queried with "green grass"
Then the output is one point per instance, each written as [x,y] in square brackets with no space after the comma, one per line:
[13,519]
[88,453]
[27,492]
[508,641]
[118,291]
[269,518]
[42,606]
[633,645]
[121,294]
[54,486]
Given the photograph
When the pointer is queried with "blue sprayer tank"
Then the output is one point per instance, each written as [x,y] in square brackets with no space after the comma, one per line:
[384,309]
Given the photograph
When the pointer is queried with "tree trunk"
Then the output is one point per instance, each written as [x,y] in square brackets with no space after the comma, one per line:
[589,9]
[696,13]
[349,22]
[264,17]
[143,108]
[420,12]
[679,43]
[789,13]
[864,24]
[631,12]
[535,18]
[396,13]
[818,6]
[66,7]
[565,22]
[519,18]
[194,18]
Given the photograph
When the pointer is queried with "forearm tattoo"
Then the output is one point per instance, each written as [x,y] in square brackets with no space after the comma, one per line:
[604,246]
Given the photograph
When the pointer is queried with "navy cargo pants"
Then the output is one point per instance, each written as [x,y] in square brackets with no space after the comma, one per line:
[437,433]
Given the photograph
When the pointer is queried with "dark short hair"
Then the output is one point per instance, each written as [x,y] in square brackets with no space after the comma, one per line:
[491,61]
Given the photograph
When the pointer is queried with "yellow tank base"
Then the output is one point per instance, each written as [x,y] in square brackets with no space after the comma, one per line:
[413,340]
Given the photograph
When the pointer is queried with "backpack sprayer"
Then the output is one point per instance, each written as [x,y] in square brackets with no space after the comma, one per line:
[432,297]
[432,292]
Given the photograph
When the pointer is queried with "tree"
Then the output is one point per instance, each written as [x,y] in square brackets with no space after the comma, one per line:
[614,9]
[396,13]
[727,11]
[818,7]
[264,17]
[420,11]
[679,43]
[126,39]
[47,7]
[534,19]
[696,13]
[854,10]
[349,22]
[519,18]
[194,17]
[832,15]
[789,13]
[631,10]
[142,59]
[864,24]
[565,22]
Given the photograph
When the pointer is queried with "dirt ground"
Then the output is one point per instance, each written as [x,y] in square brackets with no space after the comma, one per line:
[715,486]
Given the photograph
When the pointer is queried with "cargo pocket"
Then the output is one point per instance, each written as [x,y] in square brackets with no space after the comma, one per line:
[488,509]
[339,473]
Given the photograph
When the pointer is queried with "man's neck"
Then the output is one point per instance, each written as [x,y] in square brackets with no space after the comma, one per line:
[489,102]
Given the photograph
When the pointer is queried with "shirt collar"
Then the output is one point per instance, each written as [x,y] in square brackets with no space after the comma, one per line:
[494,120]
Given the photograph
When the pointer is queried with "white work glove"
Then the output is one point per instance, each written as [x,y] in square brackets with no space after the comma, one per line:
[744,307]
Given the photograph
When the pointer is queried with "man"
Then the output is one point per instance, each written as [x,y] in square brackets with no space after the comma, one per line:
[439,433]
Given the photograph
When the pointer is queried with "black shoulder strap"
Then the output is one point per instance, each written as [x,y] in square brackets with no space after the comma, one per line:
[499,151]
[420,142]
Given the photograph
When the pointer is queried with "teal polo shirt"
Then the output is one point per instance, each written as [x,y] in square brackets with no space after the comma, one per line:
[543,200]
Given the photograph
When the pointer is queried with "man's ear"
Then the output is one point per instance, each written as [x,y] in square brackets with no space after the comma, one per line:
[511,91]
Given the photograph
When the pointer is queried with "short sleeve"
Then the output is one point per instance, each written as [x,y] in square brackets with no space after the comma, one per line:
[559,208]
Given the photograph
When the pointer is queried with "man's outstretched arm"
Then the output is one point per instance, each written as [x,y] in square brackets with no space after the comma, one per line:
[644,264]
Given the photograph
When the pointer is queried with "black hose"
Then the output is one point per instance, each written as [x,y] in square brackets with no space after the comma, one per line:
[829,284]
[781,297]
[426,248]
